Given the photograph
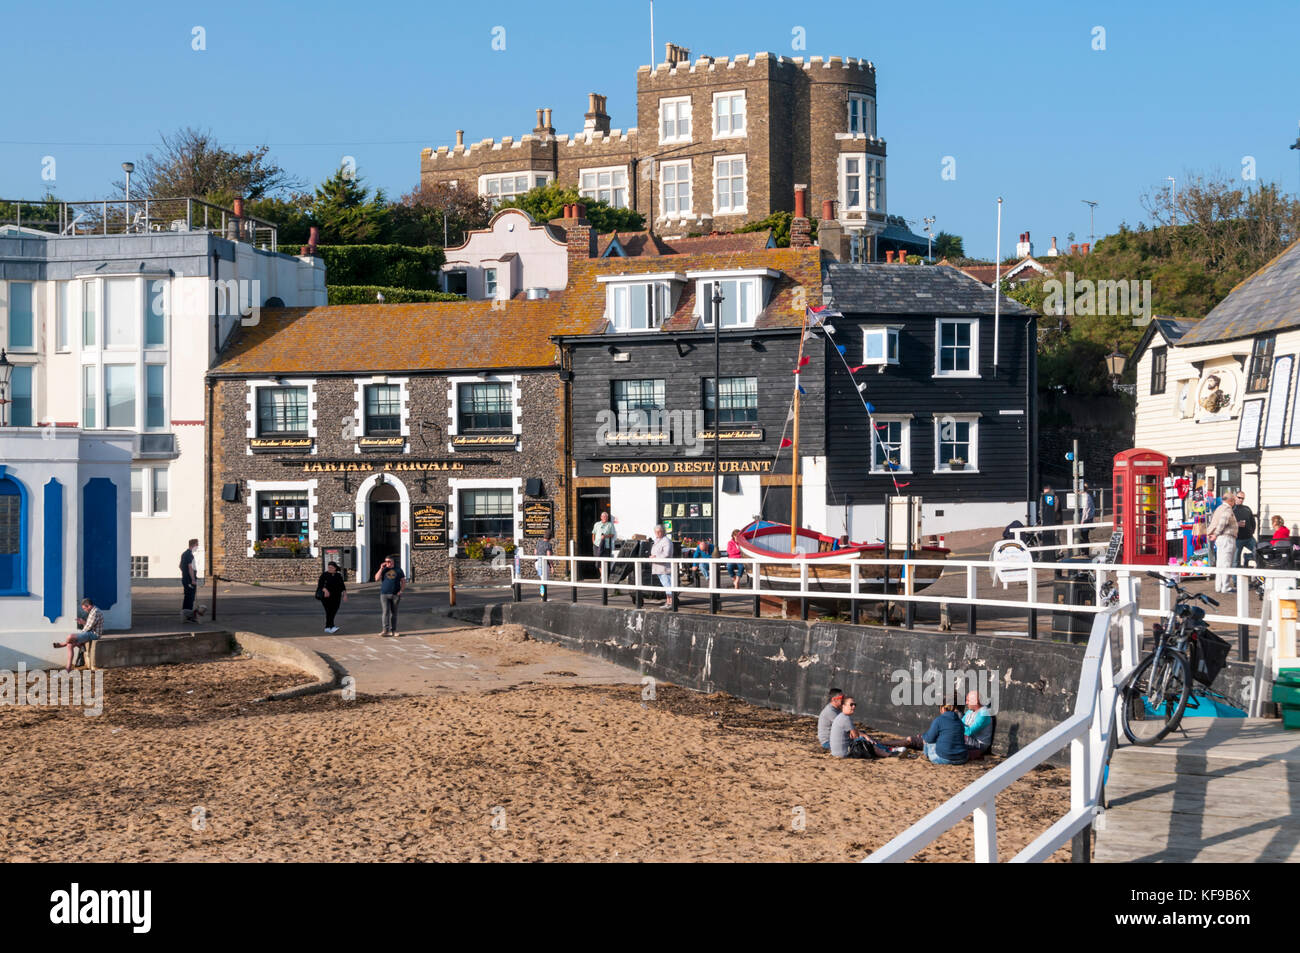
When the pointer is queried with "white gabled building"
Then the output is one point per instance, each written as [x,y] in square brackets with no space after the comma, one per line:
[1219,395]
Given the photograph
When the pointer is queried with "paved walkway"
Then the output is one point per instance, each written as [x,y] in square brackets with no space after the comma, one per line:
[1227,790]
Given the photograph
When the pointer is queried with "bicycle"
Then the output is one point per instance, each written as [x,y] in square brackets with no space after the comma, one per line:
[1155,698]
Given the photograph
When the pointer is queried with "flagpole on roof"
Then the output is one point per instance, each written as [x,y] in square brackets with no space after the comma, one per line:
[997,288]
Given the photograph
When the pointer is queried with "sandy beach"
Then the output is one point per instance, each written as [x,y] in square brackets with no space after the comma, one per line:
[184,764]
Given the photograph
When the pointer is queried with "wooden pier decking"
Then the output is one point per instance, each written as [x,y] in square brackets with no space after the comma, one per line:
[1226,790]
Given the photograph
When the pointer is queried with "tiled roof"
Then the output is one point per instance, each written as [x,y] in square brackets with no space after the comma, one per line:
[638,244]
[634,243]
[392,337]
[912,289]
[463,335]
[1269,300]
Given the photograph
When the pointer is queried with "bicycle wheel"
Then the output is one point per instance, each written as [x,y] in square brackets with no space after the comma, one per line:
[1155,698]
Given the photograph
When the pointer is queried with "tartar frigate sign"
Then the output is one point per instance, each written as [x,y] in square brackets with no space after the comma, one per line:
[430,526]
[539,519]
[385,466]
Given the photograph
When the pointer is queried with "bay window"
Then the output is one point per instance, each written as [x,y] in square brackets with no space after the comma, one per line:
[22,320]
[119,395]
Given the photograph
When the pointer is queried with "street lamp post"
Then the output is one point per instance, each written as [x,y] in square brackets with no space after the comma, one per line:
[6,370]
[128,168]
[1115,362]
[717,408]
[929,237]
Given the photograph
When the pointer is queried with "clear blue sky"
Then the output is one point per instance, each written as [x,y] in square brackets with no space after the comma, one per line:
[1013,91]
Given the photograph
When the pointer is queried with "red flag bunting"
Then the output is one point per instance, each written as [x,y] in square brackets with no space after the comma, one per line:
[804,360]
[854,370]
[786,442]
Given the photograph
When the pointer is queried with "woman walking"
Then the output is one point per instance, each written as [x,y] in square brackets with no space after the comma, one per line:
[331,590]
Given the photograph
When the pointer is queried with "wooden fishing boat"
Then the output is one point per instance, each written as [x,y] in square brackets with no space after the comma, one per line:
[830,562]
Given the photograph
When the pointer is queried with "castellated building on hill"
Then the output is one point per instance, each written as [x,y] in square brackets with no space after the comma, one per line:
[718,142]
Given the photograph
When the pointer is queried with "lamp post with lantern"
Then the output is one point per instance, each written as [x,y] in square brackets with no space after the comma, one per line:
[1115,363]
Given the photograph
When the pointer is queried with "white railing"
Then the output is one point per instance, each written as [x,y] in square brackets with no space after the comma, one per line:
[1069,529]
[1087,732]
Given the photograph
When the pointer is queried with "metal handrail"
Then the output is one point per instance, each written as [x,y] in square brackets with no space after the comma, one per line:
[144,215]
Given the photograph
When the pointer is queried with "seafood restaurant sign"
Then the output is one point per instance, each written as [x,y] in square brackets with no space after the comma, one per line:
[694,467]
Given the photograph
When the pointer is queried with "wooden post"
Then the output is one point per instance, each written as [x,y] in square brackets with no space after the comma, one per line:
[214,597]
[794,451]
[573,572]
[451,581]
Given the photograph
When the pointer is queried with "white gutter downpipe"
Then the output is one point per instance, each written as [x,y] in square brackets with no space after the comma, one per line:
[997,289]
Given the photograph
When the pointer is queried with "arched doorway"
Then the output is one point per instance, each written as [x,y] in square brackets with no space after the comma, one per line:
[384,528]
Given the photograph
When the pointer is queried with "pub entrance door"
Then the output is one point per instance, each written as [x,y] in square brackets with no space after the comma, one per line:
[384,527]
[591,503]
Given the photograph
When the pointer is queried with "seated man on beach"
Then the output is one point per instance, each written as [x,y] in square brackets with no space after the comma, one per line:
[92,628]
[945,739]
[828,716]
[847,741]
[978,726]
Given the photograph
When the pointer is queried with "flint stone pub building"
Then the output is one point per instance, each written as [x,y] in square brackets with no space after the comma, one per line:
[359,431]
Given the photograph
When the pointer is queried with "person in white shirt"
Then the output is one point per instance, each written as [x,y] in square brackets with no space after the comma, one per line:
[663,549]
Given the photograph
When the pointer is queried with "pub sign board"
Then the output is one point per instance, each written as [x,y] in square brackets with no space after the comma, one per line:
[539,519]
[430,526]
[280,444]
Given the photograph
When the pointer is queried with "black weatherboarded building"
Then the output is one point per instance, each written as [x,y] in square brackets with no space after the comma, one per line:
[952,395]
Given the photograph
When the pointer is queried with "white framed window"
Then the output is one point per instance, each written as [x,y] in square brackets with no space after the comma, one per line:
[155,397]
[853,185]
[120,405]
[956,347]
[509,185]
[90,396]
[729,185]
[481,507]
[471,405]
[64,318]
[956,443]
[741,301]
[149,491]
[89,313]
[279,509]
[862,115]
[675,188]
[891,445]
[675,119]
[728,114]
[489,282]
[21,317]
[879,346]
[604,185]
[121,313]
[638,306]
[862,183]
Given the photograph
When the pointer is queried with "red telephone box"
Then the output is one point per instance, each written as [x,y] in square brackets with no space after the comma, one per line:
[1139,487]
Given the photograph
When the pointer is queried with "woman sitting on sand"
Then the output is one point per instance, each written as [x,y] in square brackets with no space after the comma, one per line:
[945,740]
[91,629]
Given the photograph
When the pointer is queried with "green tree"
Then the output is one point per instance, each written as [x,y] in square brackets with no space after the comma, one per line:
[947,245]
[191,162]
[292,216]
[779,224]
[347,214]
[546,202]
[419,218]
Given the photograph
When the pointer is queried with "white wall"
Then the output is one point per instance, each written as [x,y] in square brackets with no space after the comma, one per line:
[73,458]
[866,522]
[633,506]
[542,262]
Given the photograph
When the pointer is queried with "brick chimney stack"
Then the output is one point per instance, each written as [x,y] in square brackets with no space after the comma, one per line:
[597,120]
[543,127]
[675,54]
[1053,252]
[800,227]
[581,237]
[830,233]
[1085,248]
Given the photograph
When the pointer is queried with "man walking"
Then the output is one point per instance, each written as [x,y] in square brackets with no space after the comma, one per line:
[1089,513]
[391,581]
[1223,537]
[190,580]
[1245,529]
[1049,514]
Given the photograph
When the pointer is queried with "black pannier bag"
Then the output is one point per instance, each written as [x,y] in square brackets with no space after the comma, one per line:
[1209,656]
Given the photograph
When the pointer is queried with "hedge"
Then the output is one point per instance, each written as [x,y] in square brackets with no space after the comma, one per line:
[390,266]
[365,294]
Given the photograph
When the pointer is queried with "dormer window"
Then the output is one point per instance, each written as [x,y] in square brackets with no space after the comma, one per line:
[744,295]
[880,346]
[640,302]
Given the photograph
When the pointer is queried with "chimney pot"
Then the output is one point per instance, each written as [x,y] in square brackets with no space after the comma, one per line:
[460,138]
[548,117]
[1074,249]
[800,201]
[1086,247]
[828,210]
[889,256]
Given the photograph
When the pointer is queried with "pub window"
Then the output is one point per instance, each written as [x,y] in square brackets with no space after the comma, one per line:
[1159,363]
[739,404]
[485,406]
[383,409]
[639,403]
[1261,363]
[282,514]
[487,513]
[282,411]
[687,514]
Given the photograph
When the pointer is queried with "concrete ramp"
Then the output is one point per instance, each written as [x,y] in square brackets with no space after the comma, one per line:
[1228,789]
